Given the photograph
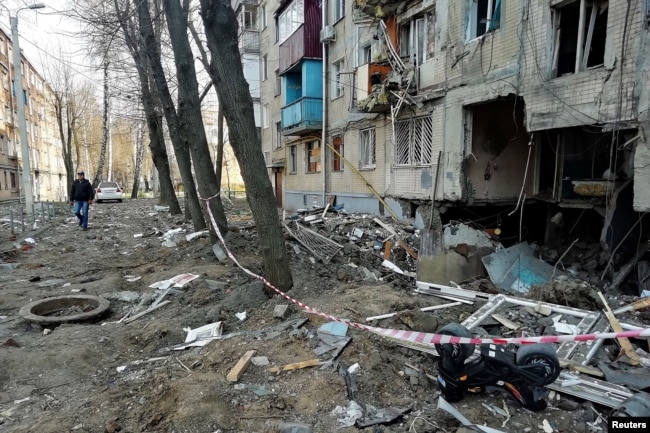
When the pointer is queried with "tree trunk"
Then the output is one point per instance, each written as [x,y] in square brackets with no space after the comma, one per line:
[190,118]
[65,132]
[180,147]
[102,154]
[218,169]
[139,154]
[152,108]
[221,30]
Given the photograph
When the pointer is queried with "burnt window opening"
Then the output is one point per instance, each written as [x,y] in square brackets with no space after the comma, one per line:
[579,37]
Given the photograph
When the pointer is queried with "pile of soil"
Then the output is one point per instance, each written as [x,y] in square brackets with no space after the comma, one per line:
[110,375]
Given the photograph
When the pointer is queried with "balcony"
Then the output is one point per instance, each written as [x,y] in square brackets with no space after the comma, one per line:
[249,41]
[303,43]
[372,95]
[302,116]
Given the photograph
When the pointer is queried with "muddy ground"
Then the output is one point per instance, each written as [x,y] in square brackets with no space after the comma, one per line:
[106,376]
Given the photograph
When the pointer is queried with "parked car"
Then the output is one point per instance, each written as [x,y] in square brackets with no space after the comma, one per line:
[108,191]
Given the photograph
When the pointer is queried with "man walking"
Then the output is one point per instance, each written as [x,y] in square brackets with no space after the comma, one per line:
[82,195]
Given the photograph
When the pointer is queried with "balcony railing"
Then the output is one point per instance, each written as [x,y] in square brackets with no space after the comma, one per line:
[249,41]
[304,42]
[302,116]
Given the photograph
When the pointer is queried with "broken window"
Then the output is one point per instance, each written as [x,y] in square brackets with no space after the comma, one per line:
[313,156]
[579,36]
[337,161]
[417,39]
[483,16]
[367,148]
[414,141]
[293,162]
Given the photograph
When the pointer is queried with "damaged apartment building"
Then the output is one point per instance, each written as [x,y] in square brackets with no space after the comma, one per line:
[519,115]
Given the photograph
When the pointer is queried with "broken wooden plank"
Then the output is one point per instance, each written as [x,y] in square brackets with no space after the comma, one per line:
[240,367]
[297,365]
[387,250]
[626,347]
[408,249]
[385,226]
[634,306]
[506,322]
[575,366]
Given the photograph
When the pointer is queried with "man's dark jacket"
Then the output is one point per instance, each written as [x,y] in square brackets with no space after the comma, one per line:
[82,190]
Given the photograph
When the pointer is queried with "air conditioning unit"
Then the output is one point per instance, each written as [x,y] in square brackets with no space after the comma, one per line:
[328,34]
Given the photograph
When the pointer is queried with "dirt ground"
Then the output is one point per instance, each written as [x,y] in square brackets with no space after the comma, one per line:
[107,376]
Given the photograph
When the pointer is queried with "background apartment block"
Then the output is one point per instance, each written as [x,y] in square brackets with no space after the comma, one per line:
[47,169]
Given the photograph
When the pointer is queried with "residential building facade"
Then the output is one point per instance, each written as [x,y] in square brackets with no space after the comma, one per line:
[46,161]
[402,105]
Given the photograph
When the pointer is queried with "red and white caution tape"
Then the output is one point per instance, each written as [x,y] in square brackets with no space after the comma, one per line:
[425,338]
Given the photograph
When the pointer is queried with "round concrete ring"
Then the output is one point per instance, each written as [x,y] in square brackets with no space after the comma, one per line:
[38,311]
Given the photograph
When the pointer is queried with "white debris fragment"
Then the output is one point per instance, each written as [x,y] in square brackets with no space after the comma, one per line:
[121,368]
[241,316]
[353,368]
[206,331]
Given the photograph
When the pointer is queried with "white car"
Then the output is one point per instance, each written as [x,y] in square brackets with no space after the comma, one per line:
[108,191]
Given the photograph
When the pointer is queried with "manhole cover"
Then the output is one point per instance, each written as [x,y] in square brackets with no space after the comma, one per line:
[64,309]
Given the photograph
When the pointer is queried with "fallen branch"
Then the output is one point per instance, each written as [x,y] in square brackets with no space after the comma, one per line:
[147,311]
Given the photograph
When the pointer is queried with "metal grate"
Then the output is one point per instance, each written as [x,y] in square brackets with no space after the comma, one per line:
[414,141]
[319,245]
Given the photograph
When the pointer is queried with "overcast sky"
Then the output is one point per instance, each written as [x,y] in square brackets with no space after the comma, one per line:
[47,36]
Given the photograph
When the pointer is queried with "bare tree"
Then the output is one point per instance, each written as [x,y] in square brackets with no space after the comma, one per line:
[71,103]
[104,29]
[221,30]
[139,153]
[188,112]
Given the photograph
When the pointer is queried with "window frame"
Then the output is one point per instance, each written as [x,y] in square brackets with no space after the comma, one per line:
[338,12]
[365,136]
[278,82]
[411,45]
[293,159]
[338,87]
[472,21]
[295,11]
[337,161]
[264,60]
[414,141]
[313,149]
[265,116]
[278,135]
[263,23]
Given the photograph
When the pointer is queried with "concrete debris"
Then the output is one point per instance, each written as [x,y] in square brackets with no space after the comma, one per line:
[516,269]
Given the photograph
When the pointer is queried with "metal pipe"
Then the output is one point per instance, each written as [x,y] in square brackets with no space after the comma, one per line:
[323,146]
